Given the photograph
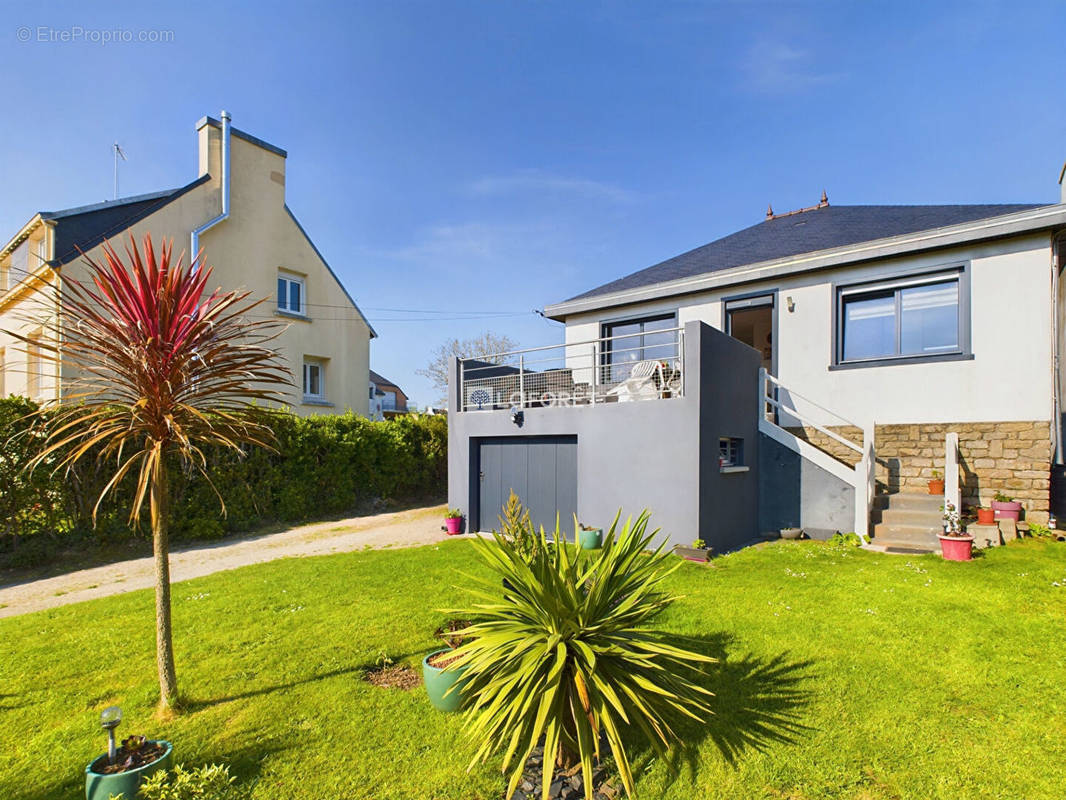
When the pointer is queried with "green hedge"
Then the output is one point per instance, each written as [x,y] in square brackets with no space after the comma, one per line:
[323,466]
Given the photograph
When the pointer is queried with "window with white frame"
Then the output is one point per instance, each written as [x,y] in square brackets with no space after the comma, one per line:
[911,318]
[34,366]
[314,380]
[291,294]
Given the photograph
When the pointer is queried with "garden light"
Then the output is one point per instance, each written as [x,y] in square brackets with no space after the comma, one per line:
[110,717]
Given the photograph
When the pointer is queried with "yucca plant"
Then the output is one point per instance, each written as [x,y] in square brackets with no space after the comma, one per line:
[162,367]
[568,654]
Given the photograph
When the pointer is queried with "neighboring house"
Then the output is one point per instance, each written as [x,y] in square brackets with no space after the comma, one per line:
[235,210]
[386,398]
[883,342]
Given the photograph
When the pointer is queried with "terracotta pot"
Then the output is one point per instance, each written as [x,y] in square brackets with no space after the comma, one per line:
[1009,510]
[936,486]
[956,548]
[986,516]
[454,524]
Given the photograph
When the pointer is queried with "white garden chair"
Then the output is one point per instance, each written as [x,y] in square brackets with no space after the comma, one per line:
[641,383]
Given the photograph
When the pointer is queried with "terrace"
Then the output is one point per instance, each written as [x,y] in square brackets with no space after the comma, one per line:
[621,368]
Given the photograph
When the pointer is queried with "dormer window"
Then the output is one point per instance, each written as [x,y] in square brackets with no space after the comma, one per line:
[291,295]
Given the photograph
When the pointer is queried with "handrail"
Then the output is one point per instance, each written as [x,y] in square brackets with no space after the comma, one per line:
[794,393]
[569,344]
[794,413]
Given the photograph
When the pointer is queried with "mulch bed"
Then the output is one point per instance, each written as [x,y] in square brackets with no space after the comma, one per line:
[566,785]
[126,760]
[396,676]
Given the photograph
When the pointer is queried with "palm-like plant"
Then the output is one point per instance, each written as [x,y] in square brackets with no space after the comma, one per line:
[162,368]
[567,654]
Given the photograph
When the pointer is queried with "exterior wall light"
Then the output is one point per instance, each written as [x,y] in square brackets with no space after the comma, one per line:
[517,416]
[790,303]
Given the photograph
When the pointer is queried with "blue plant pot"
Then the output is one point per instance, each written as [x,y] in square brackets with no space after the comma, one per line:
[438,683]
[101,787]
[590,539]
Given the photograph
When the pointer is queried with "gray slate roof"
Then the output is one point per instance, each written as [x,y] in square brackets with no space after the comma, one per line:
[805,232]
[78,230]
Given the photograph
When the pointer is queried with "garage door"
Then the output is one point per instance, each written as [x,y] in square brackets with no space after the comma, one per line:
[542,470]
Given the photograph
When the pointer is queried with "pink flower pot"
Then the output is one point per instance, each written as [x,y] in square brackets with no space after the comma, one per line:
[1007,510]
[454,524]
[956,549]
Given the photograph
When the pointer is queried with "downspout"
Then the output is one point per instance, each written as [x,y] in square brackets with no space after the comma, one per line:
[194,244]
[1057,246]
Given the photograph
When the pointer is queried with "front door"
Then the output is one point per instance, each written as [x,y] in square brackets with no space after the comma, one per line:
[751,320]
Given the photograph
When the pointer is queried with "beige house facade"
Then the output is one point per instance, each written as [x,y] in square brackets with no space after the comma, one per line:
[235,211]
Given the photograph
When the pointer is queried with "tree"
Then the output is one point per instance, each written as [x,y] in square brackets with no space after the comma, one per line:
[161,370]
[488,347]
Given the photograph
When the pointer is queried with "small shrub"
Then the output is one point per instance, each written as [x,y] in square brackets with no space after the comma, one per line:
[839,539]
[1040,531]
[209,782]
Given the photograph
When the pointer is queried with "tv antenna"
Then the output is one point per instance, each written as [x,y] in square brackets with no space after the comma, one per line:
[118,154]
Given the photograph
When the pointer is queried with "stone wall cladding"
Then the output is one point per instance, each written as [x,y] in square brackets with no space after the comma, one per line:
[1012,457]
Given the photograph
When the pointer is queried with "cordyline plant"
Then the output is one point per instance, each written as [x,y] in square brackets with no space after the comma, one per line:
[161,368]
[567,655]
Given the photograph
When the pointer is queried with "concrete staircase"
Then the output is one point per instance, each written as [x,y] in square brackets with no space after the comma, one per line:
[907,522]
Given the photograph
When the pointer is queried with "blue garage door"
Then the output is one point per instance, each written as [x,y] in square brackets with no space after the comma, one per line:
[542,471]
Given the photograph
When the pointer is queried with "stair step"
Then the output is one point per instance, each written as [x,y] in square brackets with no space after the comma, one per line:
[910,501]
[913,534]
[911,516]
[903,548]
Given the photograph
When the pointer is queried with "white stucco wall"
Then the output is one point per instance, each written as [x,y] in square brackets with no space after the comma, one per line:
[1009,378]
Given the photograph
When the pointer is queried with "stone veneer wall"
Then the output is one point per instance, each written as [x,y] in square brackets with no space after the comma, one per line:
[1012,457]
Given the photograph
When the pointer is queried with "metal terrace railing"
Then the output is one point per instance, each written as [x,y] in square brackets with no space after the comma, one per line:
[628,367]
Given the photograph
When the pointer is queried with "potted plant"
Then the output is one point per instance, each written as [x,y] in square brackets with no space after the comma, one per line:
[936,485]
[440,671]
[986,516]
[453,520]
[120,771]
[1005,507]
[698,552]
[589,538]
[954,544]
[791,533]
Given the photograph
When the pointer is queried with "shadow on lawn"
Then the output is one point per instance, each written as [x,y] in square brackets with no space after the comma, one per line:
[758,702]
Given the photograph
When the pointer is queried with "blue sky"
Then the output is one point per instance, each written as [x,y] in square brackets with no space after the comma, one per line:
[499,156]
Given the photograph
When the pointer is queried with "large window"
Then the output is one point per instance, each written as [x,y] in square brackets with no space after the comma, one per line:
[291,294]
[905,319]
[644,339]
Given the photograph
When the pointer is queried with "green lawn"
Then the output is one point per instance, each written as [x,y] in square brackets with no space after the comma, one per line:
[844,674]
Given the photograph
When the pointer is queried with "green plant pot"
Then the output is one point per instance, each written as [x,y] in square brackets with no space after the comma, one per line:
[590,539]
[438,681]
[101,787]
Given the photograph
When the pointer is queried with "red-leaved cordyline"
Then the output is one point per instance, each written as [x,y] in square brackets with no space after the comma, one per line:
[152,365]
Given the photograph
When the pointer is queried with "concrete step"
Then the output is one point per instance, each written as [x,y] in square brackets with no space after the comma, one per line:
[910,516]
[910,501]
[924,535]
[902,548]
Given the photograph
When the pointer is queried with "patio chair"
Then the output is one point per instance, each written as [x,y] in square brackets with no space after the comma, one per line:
[641,383]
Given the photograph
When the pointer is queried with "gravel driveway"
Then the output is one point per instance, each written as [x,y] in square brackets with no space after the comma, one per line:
[397,529]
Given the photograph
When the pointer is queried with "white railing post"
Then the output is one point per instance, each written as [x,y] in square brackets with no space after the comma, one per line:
[595,374]
[763,391]
[522,381]
[865,484]
[951,471]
